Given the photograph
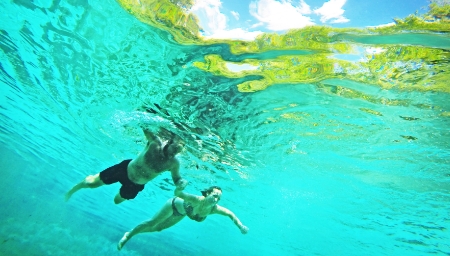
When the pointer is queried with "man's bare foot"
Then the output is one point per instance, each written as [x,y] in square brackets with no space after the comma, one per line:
[71,191]
[68,195]
[123,241]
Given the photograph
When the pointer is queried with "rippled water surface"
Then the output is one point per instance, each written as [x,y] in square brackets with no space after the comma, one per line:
[310,168]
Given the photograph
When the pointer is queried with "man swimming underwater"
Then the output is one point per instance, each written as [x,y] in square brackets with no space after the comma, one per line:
[156,158]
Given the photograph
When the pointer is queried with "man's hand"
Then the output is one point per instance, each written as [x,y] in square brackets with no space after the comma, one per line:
[181,184]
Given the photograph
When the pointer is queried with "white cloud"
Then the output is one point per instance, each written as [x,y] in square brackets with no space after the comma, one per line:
[208,12]
[282,15]
[383,25]
[332,11]
[259,24]
[304,8]
[214,23]
[235,15]
[237,33]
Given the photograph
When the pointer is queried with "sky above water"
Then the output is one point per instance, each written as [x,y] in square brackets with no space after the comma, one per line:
[245,19]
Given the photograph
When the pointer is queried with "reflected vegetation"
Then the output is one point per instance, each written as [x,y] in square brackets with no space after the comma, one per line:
[411,54]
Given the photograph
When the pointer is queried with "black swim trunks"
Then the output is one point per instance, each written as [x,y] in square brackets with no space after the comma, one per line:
[118,173]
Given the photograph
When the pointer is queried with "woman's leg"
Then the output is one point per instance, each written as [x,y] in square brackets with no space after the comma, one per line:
[151,225]
[169,222]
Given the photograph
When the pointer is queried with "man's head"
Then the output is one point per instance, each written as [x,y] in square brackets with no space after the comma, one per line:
[173,147]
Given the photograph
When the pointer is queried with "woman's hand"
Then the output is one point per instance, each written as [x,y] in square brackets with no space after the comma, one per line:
[244,229]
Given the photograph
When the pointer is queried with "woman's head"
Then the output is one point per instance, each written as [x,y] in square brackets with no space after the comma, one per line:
[214,192]
[209,190]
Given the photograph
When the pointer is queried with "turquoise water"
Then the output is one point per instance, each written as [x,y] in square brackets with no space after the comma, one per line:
[78,76]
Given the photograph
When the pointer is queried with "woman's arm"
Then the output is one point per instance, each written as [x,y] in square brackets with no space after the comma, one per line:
[224,211]
[186,196]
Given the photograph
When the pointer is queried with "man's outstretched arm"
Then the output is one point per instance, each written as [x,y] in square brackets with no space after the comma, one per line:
[179,182]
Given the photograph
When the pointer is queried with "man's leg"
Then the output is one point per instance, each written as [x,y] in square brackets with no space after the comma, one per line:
[91,181]
[118,198]
[128,191]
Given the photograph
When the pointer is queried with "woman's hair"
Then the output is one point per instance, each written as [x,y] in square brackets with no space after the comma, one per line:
[210,190]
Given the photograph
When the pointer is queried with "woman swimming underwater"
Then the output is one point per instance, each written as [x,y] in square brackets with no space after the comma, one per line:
[184,204]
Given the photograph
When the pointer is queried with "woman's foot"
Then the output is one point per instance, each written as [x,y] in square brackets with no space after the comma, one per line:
[123,241]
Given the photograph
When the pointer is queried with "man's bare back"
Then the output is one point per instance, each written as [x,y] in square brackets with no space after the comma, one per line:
[150,163]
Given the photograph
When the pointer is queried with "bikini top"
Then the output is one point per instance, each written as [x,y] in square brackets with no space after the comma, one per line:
[189,212]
